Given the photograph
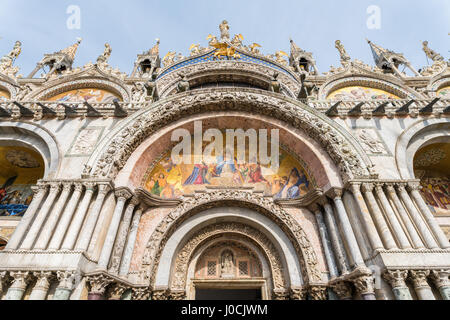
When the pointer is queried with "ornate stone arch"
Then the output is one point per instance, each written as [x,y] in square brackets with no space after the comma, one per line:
[117,147]
[439,82]
[184,256]
[413,138]
[264,205]
[12,90]
[381,82]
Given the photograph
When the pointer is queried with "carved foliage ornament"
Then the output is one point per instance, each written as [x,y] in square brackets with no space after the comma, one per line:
[265,205]
[138,128]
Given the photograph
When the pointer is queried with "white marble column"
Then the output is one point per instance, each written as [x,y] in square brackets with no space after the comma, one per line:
[42,285]
[77,221]
[40,218]
[63,224]
[129,247]
[347,231]
[18,286]
[369,225]
[442,282]
[325,242]
[91,222]
[396,278]
[390,214]
[418,221]
[39,193]
[66,282]
[122,235]
[334,236]
[383,228]
[123,194]
[49,227]
[415,238]
[414,188]
[421,286]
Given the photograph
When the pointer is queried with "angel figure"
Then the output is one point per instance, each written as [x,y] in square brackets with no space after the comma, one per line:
[180,57]
[212,40]
[106,54]
[195,49]
[279,57]
[169,58]
[237,40]
[254,48]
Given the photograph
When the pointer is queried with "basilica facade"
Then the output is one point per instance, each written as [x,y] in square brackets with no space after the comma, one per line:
[93,205]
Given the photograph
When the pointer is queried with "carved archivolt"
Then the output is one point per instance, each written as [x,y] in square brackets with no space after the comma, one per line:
[9,88]
[185,255]
[118,146]
[265,205]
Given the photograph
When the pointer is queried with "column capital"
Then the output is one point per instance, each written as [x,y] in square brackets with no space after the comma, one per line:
[66,279]
[90,186]
[20,279]
[98,284]
[379,187]
[78,186]
[55,186]
[318,292]
[365,284]
[314,208]
[104,188]
[396,278]
[414,186]
[299,293]
[440,278]
[123,193]
[367,187]
[39,188]
[355,186]
[390,188]
[117,291]
[419,278]
[160,294]
[67,186]
[43,279]
[134,201]
[141,293]
[343,290]
[335,193]
[178,295]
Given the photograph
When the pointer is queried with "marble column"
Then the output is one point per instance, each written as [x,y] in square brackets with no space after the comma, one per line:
[64,223]
[343,290]
[421,286]
[117,291]
[383,228]
[372,233]
[39,193]
[18,286]
[442,282]
[325,242]
[91,222]
[415,238]
[365,287]
[66,282]
[393,220]
[334,236]
[98,286]
[129,247]
[123,194]
[49,227]
[77,221]
[42,285]
[349,236]
[396,278]
[414,188]
[418,221]
[122,235]
[32,234]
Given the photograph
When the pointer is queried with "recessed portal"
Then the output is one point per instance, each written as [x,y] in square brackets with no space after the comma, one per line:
[232,294]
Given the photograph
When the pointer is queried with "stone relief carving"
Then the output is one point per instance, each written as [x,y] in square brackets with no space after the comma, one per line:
[371,142]
[85,142]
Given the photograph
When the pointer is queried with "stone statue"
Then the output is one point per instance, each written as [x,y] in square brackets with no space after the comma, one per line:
[15,52]
[237,40]
[183,84]
[227,263]
[155,50]
[212,40]
[279,56]
[6,62]
[103,59]
[345,58]
[224,31]
[150,87]
[275,85]
[195,49]
[169,58]
[180,57]
[433,55]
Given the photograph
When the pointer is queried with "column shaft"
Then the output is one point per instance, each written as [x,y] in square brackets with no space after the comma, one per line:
[418,221]
[390,214]
[49,227]
[25,222]
[397,279]
[129,247]
[326,245]
[78,219]
[423,290]
[417,242]
[40,218]
[18,286]
[66,281]
[63,224]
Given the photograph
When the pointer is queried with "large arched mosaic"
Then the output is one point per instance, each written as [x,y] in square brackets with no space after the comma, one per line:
[4,95]
[443,93]
[90,95]
[360,93]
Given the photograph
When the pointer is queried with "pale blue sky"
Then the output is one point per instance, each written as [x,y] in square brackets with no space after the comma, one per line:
[131,27]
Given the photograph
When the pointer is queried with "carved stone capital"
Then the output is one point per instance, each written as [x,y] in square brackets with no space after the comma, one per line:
[67,187]
[365,284]
[177,295]
[116,291]
[98,284]
[134,201]
[280,294]
[298,293]
[396,278]
[78,187]
[66,279]
[367,187]
[55,187]
[43,280]
[123,194]
[343,290]
[414,186]
[419,278]
[390,188]
[355,187]
[104,188]
[318,292]
[335,193]
[90,186]
[20,279]
[141,294]
[314,208]
[160,295]
[440,278]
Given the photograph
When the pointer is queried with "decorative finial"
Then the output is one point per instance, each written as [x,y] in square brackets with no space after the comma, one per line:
[345,58]
[433,55]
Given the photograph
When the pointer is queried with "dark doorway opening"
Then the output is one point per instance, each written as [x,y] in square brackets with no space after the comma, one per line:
[217,294]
